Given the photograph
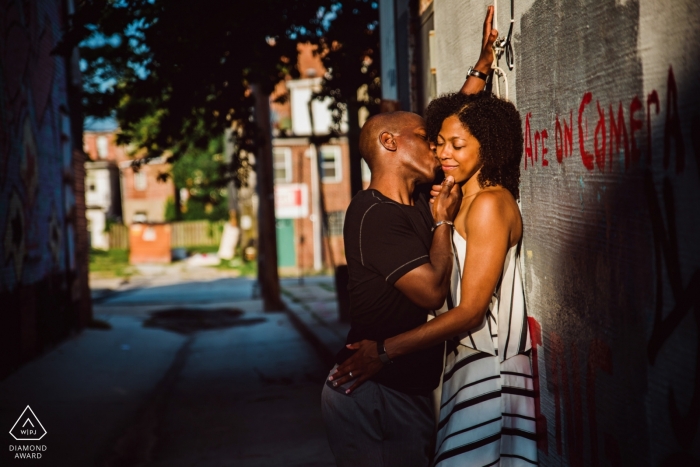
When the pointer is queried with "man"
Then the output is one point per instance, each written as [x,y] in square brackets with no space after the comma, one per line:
[399,261]
[399,269]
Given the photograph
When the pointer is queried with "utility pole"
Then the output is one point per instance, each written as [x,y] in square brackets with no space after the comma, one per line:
[268,277]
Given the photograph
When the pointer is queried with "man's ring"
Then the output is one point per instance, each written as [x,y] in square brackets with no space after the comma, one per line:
[351,374]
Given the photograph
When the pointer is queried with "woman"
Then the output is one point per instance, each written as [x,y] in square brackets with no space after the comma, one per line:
[487,407]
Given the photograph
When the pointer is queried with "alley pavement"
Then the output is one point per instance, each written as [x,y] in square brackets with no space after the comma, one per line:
[183,368]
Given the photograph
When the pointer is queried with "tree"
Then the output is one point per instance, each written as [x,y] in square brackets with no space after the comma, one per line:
[201,172]
[176,74]
[349,49]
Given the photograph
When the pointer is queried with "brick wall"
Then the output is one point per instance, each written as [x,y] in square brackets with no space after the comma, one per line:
[43,242]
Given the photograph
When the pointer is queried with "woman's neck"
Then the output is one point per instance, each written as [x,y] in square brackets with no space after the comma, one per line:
[470,189]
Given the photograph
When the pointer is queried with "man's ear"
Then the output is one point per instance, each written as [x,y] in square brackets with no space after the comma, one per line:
[387,140]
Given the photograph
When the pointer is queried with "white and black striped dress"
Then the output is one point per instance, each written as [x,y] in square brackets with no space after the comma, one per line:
[487,411]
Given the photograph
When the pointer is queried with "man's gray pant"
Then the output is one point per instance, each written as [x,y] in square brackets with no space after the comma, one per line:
[376,426]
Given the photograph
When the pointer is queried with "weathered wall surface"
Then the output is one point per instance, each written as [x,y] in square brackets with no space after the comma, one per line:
[609,93]
[43,282]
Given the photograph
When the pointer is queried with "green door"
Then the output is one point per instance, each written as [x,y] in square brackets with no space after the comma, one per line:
[286,253]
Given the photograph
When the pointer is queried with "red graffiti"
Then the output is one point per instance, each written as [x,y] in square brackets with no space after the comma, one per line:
[673,126]
[528,142]
[566,385]
[544,136]
[575,432]
[540,420]
[635,125]
[558,141]
[611,135]
[559,385]
[652,98]
[569,136]
[599,357]
[586,156]
[599,135]
[618,130]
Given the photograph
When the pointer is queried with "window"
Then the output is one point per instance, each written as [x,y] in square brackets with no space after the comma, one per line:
[140,181]
[335,223]
[102,147]
[90,181]
[331,164]
[282,164]
[140,216]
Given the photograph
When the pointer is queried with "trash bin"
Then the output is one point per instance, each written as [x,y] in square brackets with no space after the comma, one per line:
[342,278]
[149,243]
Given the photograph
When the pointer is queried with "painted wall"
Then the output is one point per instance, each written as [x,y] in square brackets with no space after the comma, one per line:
[43,258]
[609,93]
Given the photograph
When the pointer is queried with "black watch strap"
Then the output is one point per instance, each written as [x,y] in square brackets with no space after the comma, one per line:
[382,353]
[472,72]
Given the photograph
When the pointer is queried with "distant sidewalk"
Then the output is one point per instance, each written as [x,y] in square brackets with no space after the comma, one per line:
[313,307]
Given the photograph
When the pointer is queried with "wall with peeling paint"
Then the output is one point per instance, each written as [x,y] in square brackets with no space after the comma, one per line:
[43,258]
[609,94]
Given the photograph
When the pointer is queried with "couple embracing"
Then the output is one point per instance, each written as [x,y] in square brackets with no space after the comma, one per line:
[457,253]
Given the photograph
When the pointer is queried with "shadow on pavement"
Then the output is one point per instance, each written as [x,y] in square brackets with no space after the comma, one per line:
[187,321]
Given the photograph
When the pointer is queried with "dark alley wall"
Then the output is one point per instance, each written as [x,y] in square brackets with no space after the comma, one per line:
[43,247]
[609,92]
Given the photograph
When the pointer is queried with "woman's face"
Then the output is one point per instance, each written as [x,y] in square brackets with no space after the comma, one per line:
[457,150]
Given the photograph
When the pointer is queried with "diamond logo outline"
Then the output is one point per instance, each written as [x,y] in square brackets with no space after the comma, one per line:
[27,417]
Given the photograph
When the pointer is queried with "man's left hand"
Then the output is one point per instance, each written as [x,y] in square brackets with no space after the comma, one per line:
[363,364]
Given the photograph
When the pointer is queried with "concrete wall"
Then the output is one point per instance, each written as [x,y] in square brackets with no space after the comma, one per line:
[43,238]
[609,92]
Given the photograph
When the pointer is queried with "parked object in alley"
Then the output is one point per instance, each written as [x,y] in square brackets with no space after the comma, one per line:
[203,259]
[229,241]
[150,243]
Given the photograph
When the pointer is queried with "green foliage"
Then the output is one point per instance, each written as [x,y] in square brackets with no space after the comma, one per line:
[350,48]
[180,72]
[176,74]
[111,263]
[202,173]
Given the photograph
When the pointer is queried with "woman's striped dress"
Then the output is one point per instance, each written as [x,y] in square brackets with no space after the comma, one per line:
[487,411]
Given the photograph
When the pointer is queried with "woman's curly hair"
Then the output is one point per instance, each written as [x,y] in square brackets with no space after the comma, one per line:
[495,123]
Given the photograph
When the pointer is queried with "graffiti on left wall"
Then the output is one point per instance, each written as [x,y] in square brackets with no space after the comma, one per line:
[32,162]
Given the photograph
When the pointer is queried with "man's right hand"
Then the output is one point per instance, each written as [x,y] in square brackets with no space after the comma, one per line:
[445,204]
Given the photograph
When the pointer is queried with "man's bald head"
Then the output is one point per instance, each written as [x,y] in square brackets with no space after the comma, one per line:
[392,122]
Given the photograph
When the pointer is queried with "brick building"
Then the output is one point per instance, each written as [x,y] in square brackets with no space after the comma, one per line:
[140,195]
[44,288]
[144,195]
[303,243]
[102,190]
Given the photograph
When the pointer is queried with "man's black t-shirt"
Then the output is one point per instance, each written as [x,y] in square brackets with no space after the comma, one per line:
[383,241]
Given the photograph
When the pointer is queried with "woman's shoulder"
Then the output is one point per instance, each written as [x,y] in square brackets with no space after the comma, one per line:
[495,206]
[493,198]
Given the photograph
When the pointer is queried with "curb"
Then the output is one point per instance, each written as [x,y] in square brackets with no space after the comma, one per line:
[326,342]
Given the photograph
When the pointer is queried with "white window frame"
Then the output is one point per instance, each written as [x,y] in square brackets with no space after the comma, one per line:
[140,180]
[278,165]
[102,146]
[337,153]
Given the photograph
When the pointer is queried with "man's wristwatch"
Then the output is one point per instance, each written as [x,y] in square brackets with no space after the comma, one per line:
[473,72]
[382,353]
